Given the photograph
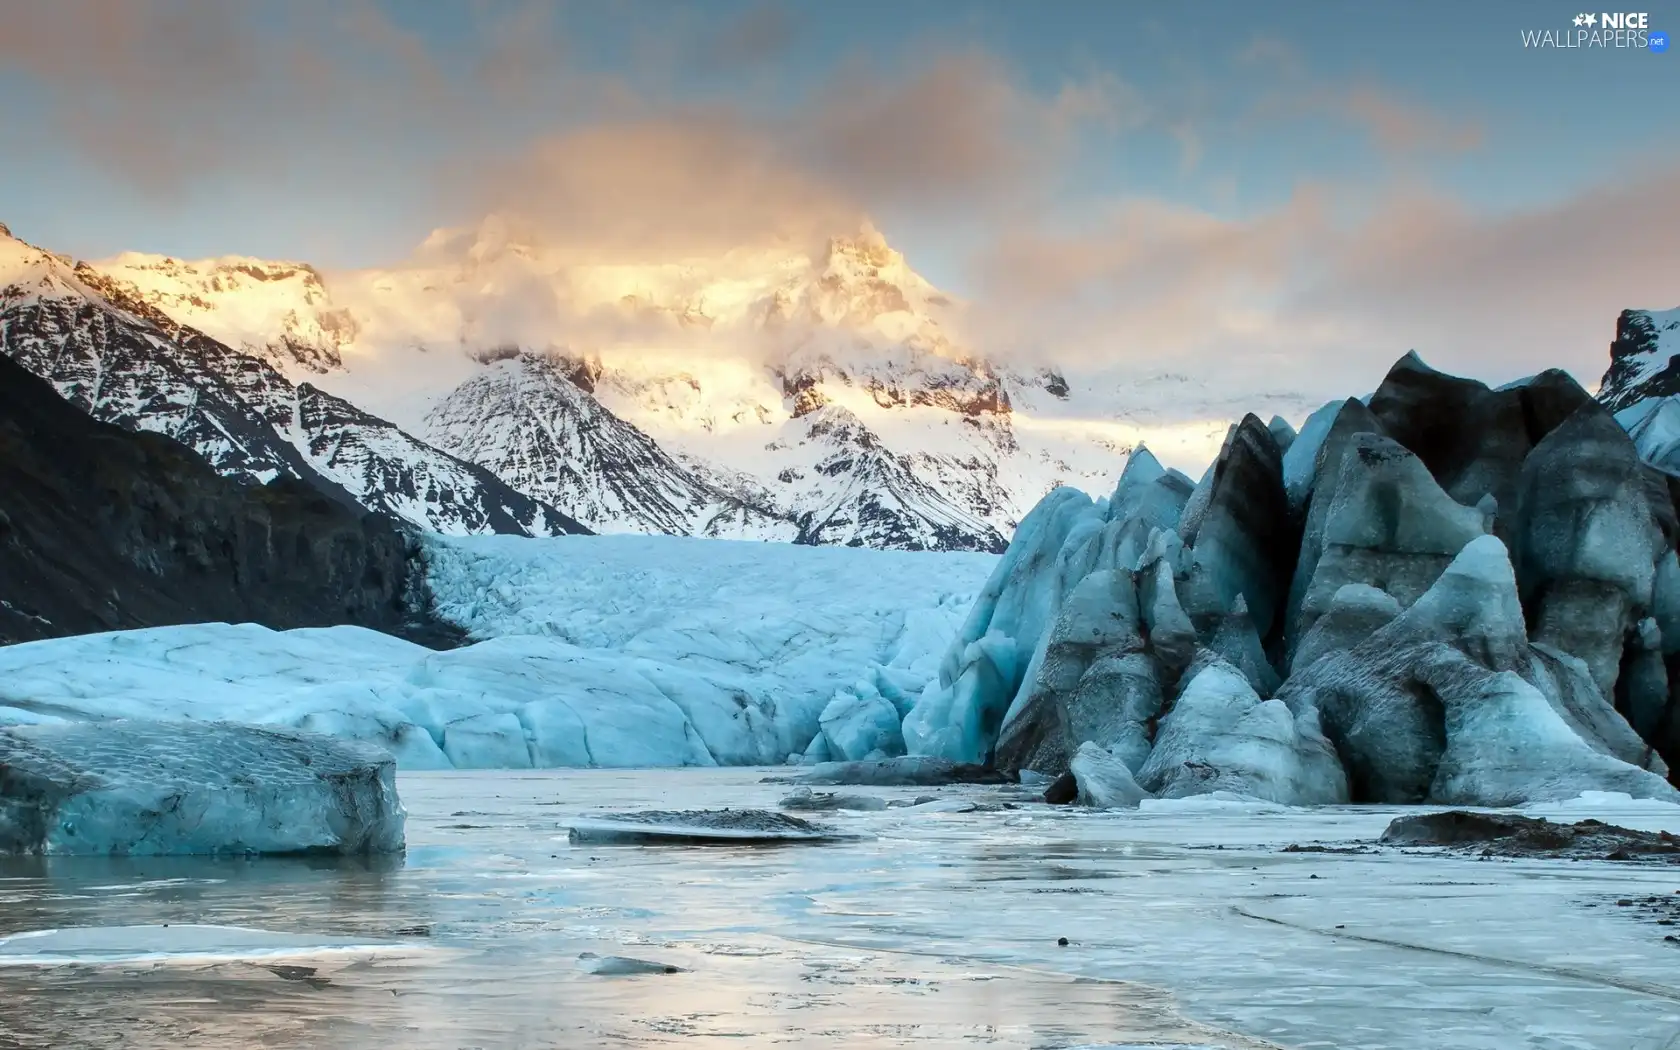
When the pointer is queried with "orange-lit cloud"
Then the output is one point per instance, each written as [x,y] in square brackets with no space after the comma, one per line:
[615,168]
[1294,297]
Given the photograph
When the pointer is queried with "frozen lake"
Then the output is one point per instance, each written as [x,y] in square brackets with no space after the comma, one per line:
[1188,925]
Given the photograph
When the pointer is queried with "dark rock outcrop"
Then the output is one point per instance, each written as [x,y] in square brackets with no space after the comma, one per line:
[1509,835]
[104,529]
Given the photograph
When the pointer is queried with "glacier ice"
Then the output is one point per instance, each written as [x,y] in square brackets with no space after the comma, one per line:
[622,965]
[1427,702]
[857,726]
[1356,611]
[1301,458]
[1240,538]
[958,716]
[1220,736]
[1379,608]
[1384,520]
[618,651]
[1506,746]
[901,771]
[1104,779]
[156,788]
[1587,544]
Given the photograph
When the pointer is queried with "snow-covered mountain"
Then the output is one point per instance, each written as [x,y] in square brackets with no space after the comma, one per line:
[1642,358]
[823,396]
[530,418]
[126,360]
[820,397]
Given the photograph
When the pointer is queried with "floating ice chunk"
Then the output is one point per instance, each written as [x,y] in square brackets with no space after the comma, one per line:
[123,945]
[152,788]
[622,965]
[1615,807]
[1143,1046]
[939,805]
[724,827]
[811,801]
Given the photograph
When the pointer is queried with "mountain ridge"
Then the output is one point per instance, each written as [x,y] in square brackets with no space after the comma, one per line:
[127,361]
[720,367]
[1642,358]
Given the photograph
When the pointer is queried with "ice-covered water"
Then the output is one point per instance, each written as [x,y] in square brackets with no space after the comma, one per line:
[1187,925]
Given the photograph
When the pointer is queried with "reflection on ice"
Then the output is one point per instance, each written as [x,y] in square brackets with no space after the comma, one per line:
[107,945]
[1187,925]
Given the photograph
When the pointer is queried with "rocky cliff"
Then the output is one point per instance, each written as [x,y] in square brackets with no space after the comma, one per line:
[105,529]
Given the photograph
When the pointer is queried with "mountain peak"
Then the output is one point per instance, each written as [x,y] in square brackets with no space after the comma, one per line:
[1642,358]
[27,271]
[868,247]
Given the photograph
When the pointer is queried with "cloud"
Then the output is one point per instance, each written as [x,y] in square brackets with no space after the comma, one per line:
[956,138]
[679,185]
[121,75]
[1296,305]
[957,131]
[1510,294]
[757,36]
[1394,125]
[618,168]
[1398,127]
[162,91]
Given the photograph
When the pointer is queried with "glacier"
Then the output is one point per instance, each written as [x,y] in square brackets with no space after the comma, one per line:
[614,651]
[1443,593]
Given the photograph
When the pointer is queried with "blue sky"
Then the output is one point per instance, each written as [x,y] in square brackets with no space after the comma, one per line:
[971,133]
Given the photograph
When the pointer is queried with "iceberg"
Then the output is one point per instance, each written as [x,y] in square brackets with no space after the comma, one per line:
[160,788]
[726,827]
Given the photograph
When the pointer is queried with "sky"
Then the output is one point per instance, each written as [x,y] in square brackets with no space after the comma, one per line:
[1285,193]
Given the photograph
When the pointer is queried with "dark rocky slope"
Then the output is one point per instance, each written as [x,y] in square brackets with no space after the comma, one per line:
[106,529]
[123,361]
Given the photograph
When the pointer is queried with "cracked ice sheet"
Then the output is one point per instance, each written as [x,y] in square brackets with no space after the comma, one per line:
[939,932]
[1436,952]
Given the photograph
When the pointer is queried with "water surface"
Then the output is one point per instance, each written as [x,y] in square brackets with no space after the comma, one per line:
[1185,926]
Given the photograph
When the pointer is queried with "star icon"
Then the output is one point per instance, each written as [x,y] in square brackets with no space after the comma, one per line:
[1580,20]
[1592,20]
